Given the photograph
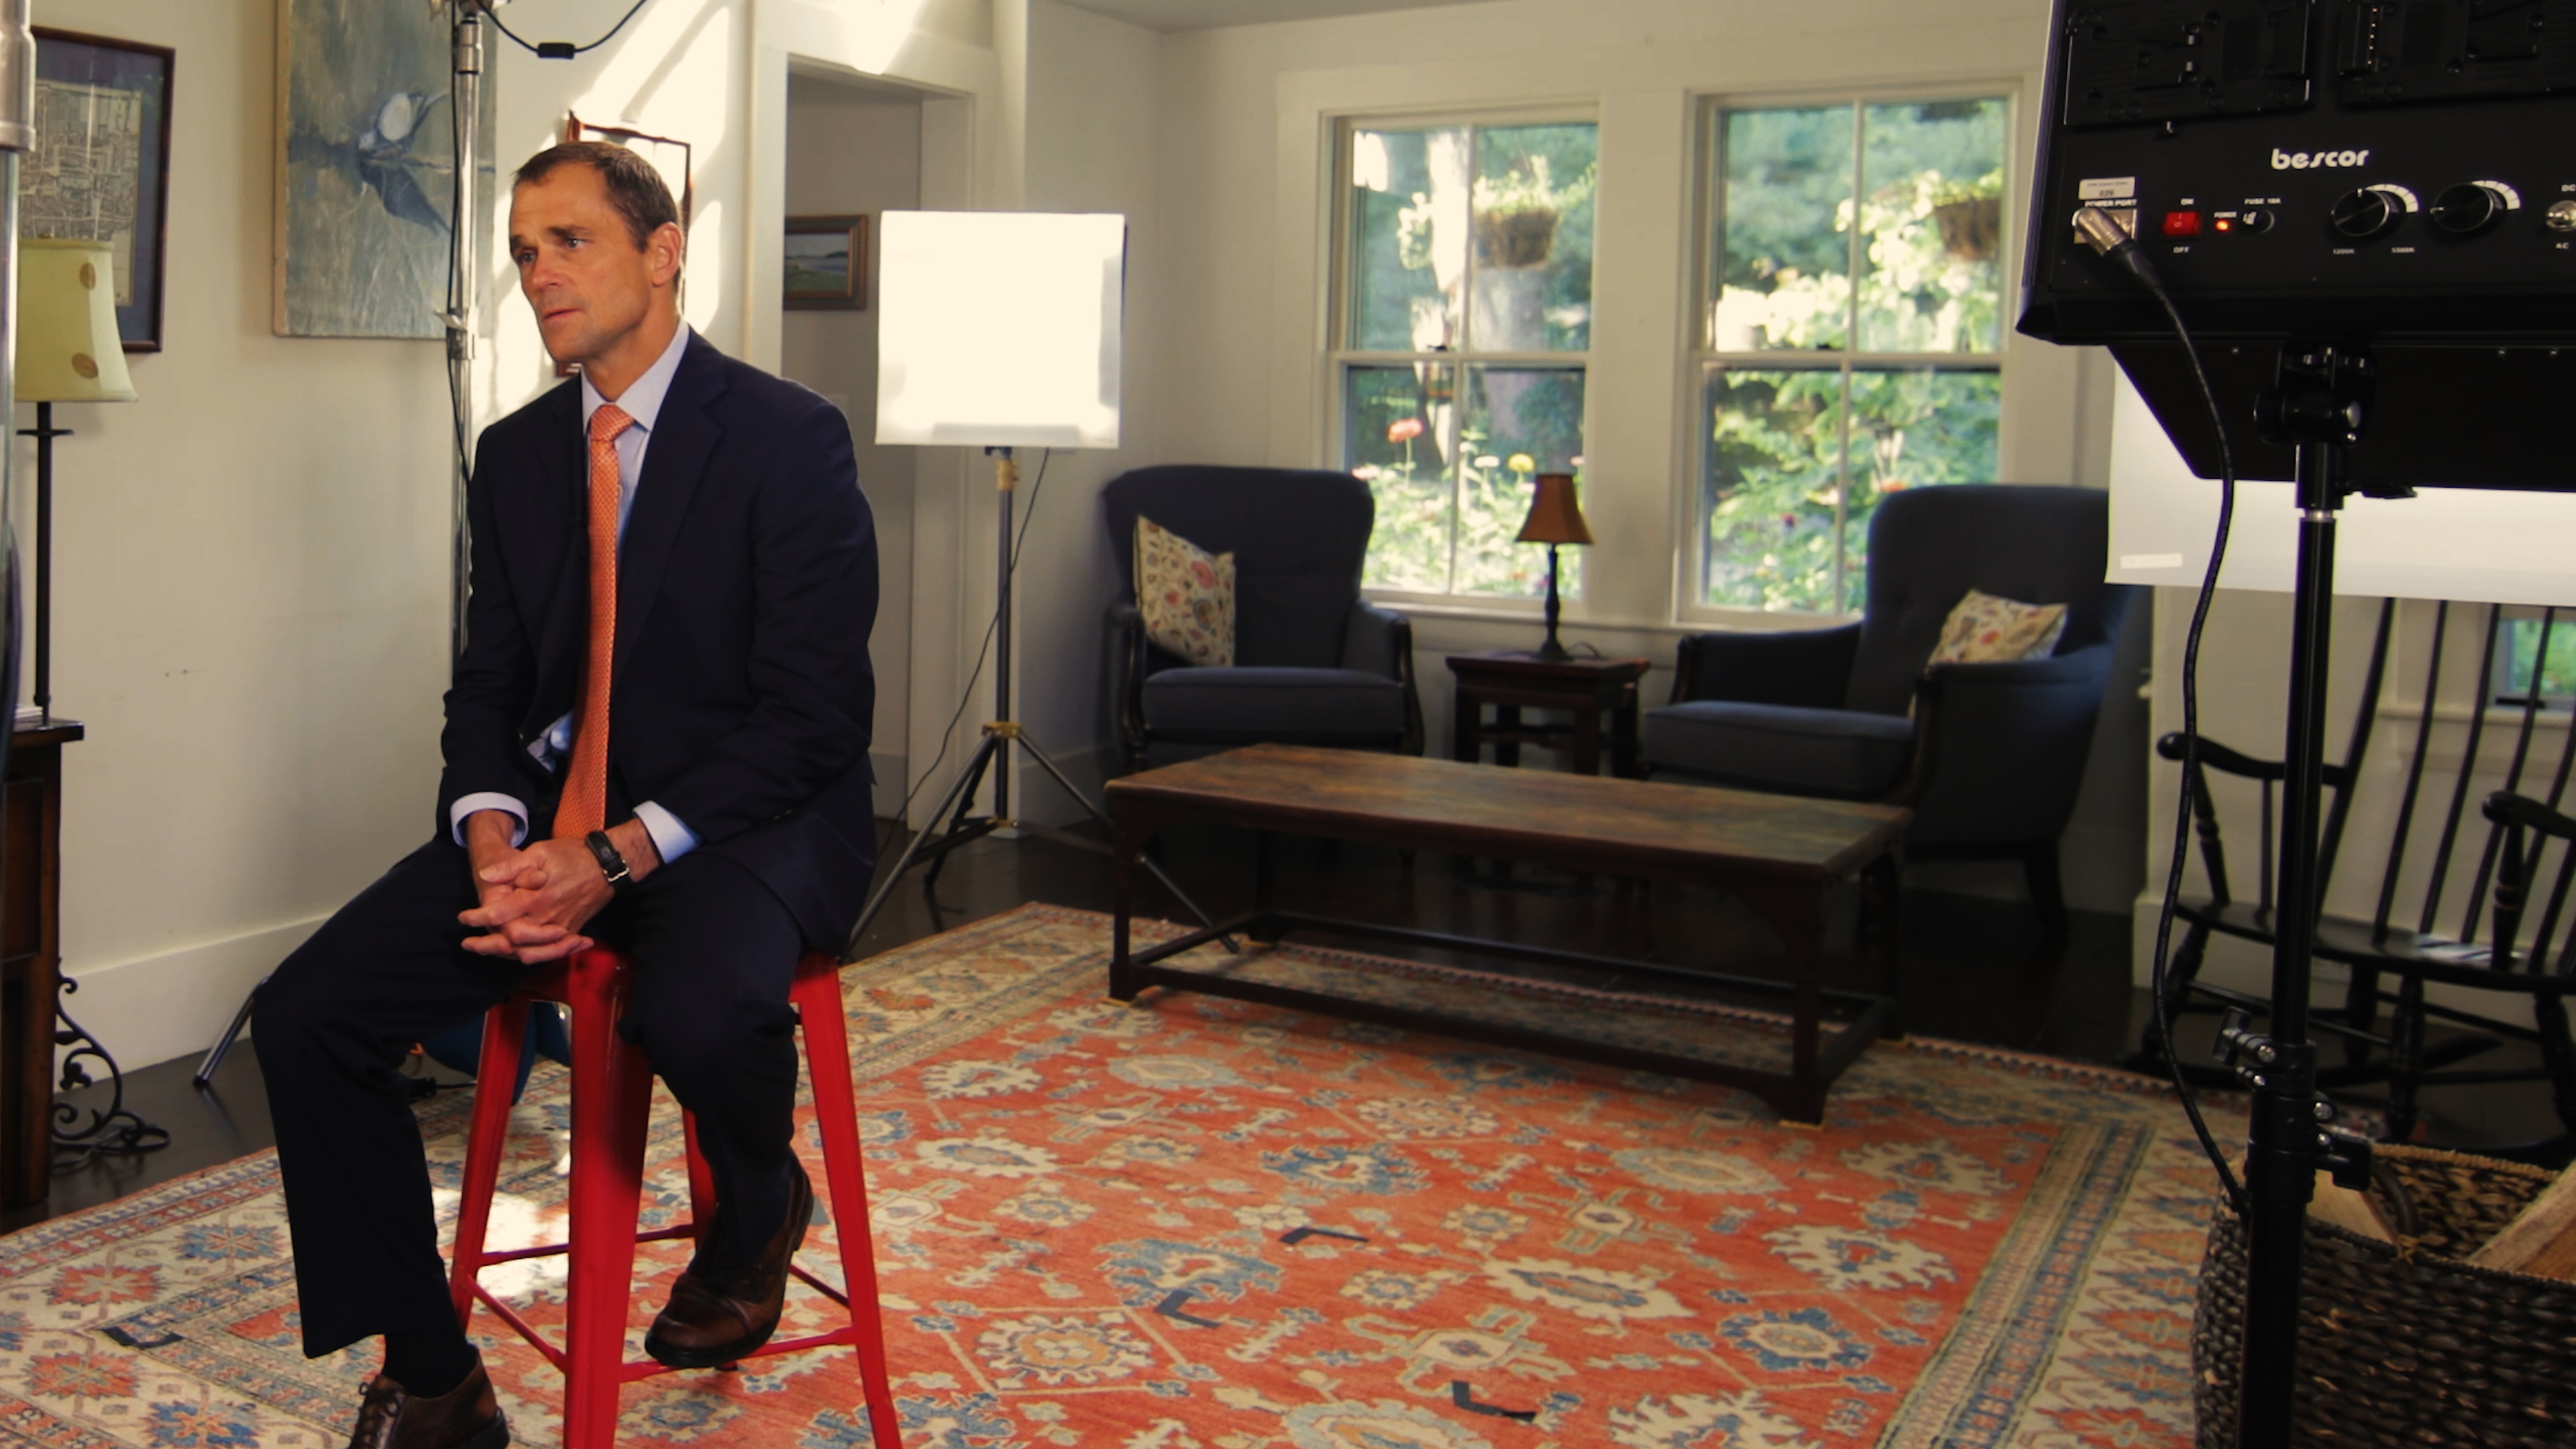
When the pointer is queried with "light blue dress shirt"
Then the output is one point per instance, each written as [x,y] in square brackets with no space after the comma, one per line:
[642,401]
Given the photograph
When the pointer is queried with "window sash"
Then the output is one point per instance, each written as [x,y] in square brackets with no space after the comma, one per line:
[1343,359]
[2517,648]
[1706,361]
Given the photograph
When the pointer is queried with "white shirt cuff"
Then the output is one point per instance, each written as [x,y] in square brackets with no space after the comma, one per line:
[489,800]
[671,839]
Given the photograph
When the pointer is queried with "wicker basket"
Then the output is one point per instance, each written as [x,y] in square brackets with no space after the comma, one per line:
[2405,1344]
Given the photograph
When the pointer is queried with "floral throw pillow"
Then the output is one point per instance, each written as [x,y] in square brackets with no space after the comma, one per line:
[1984,629]
[1186,595]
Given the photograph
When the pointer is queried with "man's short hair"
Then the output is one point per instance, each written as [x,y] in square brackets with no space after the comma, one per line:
[634,187]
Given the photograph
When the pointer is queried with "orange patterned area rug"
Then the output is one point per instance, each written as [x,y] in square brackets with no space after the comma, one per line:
[1202,1224]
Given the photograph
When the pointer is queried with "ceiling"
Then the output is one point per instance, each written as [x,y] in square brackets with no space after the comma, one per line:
[1210,14]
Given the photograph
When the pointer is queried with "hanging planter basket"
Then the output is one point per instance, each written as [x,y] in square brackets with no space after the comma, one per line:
[1972,229]
[1515,239]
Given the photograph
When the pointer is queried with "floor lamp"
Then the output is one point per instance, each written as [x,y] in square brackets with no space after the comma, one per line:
[999,330]
[68,351]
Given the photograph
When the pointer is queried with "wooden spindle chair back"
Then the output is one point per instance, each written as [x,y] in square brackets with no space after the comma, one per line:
[2462,852]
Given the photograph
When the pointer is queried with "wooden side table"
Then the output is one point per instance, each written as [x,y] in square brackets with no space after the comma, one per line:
[31,959]
[1511,681]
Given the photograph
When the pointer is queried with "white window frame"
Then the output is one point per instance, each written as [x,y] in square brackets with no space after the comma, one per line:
[1339,358]
[1703,361]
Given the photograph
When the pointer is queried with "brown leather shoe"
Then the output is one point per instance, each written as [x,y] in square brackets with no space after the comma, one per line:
[467,1416]
[716,1316]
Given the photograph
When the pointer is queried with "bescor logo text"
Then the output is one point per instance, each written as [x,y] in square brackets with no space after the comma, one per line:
[2304,160]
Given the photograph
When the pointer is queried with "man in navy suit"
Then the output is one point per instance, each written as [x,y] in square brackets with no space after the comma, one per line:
[730,795]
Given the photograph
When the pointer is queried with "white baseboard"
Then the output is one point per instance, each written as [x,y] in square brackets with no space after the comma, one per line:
[155,1008]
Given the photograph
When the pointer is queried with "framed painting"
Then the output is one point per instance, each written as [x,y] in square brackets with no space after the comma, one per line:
[366,169]
[101,167]
[827,263]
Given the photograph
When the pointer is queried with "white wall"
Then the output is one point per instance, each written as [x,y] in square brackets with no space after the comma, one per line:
[1093,120]
[853,151]
[250,590]
[1245,242]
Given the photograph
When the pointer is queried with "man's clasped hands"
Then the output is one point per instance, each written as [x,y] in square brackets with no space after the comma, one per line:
[534,899]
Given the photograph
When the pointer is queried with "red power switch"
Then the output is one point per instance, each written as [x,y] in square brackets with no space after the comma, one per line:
[2182,223]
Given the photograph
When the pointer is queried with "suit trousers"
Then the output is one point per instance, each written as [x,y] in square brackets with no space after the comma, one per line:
[714,951]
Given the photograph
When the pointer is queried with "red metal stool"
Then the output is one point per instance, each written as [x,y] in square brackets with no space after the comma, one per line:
[612,1086]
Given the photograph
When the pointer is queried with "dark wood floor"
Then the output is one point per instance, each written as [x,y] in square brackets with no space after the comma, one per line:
[1974,970]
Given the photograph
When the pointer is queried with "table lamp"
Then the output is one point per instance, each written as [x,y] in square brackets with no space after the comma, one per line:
[1554,518]
[68,351]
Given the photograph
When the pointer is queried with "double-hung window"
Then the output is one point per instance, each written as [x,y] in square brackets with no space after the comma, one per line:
[1852,315]
[1461,332]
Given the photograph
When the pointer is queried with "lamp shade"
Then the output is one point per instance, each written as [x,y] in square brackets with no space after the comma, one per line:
[1554,516]
[68,349]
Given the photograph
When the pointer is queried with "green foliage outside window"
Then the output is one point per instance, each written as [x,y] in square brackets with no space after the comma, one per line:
[1466,242]
[1853,229]
[2520,642]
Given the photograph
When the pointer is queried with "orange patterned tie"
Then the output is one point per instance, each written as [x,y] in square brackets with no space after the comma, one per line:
[584,806]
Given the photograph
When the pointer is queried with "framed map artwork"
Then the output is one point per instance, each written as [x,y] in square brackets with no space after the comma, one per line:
[101,167]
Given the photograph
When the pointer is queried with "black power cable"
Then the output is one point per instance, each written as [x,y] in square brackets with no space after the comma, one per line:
[2114,243]
[556,49]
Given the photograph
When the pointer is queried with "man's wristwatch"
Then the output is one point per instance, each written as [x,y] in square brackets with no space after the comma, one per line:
[611,864]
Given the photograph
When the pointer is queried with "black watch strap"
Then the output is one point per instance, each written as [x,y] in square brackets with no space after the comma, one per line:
[611,864]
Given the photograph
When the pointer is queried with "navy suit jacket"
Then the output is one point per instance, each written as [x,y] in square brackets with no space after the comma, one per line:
[740,698]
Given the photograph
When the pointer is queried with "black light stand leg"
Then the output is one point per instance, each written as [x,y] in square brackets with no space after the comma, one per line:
[1060,837]
[214,1059]
[963,825]
[2320,404]
[952,807]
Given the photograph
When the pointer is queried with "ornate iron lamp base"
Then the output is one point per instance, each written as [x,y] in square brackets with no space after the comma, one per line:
[114,1131]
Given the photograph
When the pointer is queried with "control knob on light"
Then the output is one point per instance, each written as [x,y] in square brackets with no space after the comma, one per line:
[2364,214]
[2469,208]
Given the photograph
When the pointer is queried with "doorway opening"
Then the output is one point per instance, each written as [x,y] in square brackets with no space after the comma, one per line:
[854,151]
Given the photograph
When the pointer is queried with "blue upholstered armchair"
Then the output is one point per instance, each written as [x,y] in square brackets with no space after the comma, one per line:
[1992,754]
[1315,664]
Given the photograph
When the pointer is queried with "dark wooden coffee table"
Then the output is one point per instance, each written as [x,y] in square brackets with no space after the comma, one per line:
[1792,861]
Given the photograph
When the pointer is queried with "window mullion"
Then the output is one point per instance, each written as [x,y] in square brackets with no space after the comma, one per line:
[1466,348]
[1851,343]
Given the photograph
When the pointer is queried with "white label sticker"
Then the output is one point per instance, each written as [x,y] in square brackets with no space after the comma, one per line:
[2107,188]
[2151,560]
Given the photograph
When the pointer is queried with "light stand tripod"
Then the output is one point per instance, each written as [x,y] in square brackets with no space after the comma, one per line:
[2320,405]
[1001,735]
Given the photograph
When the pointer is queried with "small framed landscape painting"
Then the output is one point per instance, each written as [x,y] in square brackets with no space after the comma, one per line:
[827,263]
